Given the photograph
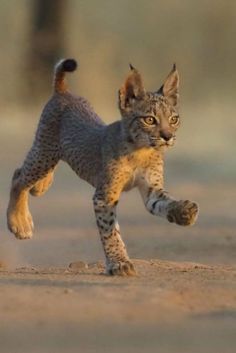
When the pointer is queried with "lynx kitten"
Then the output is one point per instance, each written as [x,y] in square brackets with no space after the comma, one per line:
[113,158]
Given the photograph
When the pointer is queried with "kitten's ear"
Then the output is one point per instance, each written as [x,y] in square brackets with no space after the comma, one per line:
[170,88]
[132,89]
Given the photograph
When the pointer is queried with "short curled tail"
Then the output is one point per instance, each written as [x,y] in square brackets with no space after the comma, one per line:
[63,66]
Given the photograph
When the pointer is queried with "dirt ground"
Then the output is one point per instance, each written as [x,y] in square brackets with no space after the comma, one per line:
[182,301]
[169,307]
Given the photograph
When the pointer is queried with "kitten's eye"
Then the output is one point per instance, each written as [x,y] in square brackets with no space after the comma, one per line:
[174,119]
[149,120]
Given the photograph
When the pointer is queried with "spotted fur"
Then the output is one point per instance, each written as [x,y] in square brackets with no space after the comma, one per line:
[113,158]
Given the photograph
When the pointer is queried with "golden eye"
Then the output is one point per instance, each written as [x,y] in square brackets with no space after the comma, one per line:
[174,119]
[149,120]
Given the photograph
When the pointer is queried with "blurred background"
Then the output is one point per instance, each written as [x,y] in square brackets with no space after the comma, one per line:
[105,36]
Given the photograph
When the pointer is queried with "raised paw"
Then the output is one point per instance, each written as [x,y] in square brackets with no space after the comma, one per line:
[20,224]
[183,213]
[42,185]
[121,268]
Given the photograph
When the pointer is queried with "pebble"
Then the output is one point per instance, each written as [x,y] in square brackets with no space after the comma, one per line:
[78,265]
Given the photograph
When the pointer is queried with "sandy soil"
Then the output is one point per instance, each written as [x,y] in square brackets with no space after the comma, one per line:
[168,307]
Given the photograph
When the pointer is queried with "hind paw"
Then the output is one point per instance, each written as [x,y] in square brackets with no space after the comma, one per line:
[21,224]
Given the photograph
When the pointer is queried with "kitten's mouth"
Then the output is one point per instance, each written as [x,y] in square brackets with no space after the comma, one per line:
[160,142]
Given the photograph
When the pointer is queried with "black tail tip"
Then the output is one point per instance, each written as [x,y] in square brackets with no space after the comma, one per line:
[70,65]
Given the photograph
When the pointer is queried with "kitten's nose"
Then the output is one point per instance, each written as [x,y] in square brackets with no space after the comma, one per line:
[166,135]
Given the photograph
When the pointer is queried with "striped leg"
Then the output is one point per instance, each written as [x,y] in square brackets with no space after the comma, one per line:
[117,259]
[159,203]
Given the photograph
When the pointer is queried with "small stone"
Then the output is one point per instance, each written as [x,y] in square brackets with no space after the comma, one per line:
[78,265]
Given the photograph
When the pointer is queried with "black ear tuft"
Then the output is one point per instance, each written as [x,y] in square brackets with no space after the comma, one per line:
[131,67]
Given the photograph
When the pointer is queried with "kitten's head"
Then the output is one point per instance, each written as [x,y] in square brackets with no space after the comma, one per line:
[150,119]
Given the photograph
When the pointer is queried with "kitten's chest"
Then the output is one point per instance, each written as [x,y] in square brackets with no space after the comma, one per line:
[146,167]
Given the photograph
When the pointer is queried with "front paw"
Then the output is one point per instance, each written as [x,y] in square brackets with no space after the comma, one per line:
[121,268]
[183,213]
